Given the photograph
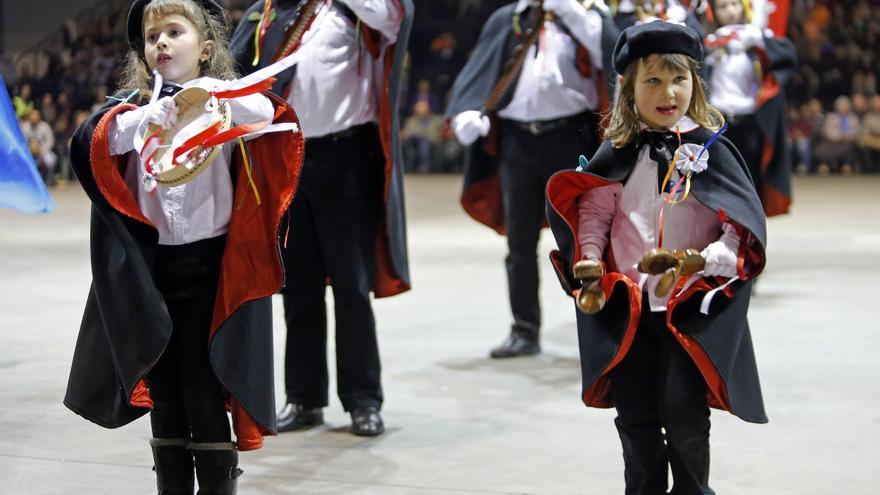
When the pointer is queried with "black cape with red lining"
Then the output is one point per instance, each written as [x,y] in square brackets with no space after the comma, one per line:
[481,197]
[392,262]
[778,60]
[126,326]
[720,343]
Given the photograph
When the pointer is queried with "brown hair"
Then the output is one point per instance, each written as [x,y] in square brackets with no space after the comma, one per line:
[623,124]
[135,75]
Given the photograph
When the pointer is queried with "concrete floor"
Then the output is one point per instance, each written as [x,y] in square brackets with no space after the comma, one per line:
[458,422]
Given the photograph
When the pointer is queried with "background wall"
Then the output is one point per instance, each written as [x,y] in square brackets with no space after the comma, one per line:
[25,22]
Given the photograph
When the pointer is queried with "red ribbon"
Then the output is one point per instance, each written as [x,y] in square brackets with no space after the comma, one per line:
[264,85]
[196,140]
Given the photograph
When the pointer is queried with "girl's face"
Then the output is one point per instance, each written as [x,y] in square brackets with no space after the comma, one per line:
[728,12]
[662,96]
[173,46]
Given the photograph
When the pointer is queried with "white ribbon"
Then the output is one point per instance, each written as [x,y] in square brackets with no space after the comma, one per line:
[707,299]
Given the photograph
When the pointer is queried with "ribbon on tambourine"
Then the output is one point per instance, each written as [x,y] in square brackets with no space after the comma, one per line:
[202,132]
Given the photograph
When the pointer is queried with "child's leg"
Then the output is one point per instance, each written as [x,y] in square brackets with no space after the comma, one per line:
[685,416]
[187,276]
[172,459]
[634,392]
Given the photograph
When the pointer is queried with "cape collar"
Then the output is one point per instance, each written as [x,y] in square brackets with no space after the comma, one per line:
[684,124]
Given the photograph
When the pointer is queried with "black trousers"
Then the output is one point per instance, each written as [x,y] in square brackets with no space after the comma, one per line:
[527,161]
[188,401]
[657,388]
[334,218]
[745,134]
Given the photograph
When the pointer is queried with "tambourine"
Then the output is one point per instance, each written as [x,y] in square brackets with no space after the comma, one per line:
[176,161]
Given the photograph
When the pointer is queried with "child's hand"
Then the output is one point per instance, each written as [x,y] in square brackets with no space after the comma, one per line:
[721,261]
[162,112]
[750,36]
[470,125]
[565,9]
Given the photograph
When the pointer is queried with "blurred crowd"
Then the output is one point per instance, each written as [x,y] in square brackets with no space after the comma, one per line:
[834,110]
[834,113]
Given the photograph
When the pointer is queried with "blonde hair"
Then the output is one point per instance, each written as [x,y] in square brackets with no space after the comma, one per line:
[135,74]
[623,124]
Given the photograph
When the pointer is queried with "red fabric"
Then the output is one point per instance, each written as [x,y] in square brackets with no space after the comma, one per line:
[565,190]
[106,168]
[388,282]
[482,201]
[599,393]
[716,389]
[769,85]
[196,140]
[778,21]
[260,87]
[140,397]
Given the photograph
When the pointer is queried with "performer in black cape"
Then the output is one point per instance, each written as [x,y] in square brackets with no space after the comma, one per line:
[627,13]
[662,358]
[747,69]
[349,211]
[178,320]
[537,126]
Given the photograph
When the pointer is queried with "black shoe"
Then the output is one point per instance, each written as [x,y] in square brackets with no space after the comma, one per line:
[366,422]
[516,345]
[296,417]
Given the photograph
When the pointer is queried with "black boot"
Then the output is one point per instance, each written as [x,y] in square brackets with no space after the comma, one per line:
[173,463]
[216,467]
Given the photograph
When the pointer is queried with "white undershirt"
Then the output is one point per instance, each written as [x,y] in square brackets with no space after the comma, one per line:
[337,85]
[550,85]
[734,84]
[201,208]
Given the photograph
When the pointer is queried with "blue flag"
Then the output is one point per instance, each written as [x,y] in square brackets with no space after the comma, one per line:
[20,184]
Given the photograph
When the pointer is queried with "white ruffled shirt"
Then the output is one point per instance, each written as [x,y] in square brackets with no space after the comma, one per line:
[628,215]
[200,209]
[336,85]
[550,86]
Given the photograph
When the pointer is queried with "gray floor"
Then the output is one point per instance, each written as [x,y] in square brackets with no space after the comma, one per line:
[459,423]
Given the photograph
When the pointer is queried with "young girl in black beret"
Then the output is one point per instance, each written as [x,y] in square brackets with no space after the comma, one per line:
[659,236]
[178,320]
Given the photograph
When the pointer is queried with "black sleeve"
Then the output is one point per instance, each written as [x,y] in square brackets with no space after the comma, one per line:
[242,42]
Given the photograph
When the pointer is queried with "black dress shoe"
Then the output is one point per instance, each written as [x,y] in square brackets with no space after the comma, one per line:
[516,345]
[366,422]
[296,417]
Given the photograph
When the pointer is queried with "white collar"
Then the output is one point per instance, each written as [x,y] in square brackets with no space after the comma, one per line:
[202,82]
[684,124]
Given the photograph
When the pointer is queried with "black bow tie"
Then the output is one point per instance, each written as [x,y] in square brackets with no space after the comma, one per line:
[661,149]
[169,89]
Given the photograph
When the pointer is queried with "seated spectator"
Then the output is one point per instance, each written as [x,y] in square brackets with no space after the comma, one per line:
[22,102]
[870,137]
[48,108]
[837,151]
[44,167]
[800,130]
[420,136]
[425,93]
[42,141]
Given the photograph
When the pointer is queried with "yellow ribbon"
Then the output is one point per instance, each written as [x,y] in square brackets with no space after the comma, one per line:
[250,176]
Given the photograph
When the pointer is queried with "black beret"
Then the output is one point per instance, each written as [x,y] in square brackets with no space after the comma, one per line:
[655,37]
[136,20]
